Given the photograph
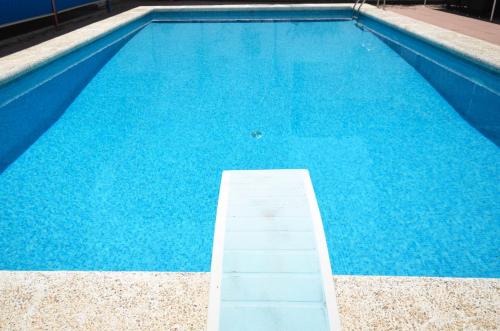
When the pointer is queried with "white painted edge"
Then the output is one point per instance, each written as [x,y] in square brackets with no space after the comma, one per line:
[324,259]
[214,296]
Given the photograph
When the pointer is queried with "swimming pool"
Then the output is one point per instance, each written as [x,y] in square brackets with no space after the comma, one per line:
[113,154]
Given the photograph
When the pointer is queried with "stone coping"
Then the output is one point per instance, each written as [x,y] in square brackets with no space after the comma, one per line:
[14,65]
[476,50]
[60,300]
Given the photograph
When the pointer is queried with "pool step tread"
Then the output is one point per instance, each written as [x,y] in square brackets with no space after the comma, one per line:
[270,261]
[268,224]
[269,287]
[270,265]
[266,207]
[276,240]
[266,191]
[242,318]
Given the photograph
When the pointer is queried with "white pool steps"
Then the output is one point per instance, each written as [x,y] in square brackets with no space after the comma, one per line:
[270,264]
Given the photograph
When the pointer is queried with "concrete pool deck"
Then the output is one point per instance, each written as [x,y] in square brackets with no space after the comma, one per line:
[179,301]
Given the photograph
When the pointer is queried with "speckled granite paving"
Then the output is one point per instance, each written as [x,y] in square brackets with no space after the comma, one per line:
[178,301]
[418,303]
[103,301]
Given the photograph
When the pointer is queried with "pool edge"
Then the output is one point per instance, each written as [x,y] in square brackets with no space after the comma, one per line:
[16,64]
[478,51]
[179,301]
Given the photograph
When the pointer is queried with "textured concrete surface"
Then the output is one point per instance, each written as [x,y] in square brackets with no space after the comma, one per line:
[473,27]
[178,301]
[103,301]
[418,303]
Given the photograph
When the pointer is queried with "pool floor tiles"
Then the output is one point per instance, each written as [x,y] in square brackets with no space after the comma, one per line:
[270,265]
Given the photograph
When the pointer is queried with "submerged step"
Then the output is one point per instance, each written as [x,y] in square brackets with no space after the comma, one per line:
[264,316]
[270,264]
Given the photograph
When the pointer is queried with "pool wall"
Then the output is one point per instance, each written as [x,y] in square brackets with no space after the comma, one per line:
[473,90]
[286,14]
[53,87]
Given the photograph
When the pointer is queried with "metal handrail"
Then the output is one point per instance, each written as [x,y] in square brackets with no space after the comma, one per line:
[378,4]
[354,9]
[361,3]
[493,10]
[54,12]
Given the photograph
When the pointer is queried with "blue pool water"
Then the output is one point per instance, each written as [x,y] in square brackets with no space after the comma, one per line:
[128,177]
